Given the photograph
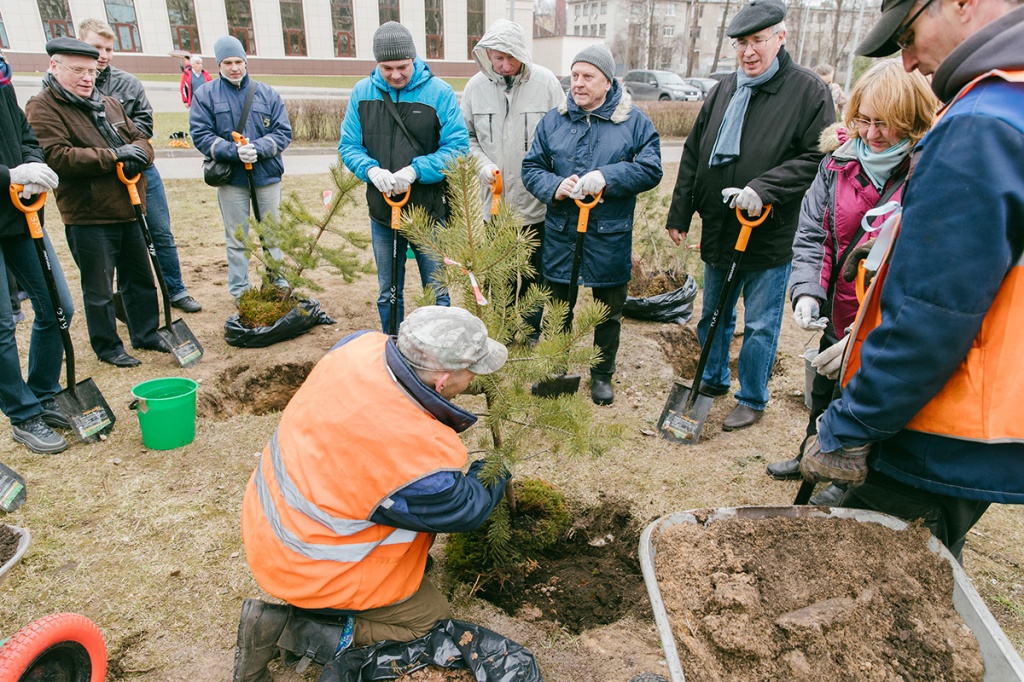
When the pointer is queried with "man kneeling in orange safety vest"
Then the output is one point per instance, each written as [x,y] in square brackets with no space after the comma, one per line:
[365,466]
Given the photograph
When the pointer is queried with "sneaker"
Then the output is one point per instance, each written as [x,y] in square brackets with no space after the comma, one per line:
[259,628]
[39,437]
[53,416]
[187,304]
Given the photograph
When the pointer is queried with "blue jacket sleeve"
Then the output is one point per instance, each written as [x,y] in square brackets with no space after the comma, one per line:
[201,124]
[447,502]
[274,139]
[538,172]
[453,142]
[631,177]
[353,154]
[960,236]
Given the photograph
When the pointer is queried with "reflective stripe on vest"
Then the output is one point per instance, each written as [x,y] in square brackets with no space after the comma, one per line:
[978,401]
[342,527]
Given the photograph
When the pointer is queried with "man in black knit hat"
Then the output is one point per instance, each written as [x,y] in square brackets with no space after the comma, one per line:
[391,158]
[84,135]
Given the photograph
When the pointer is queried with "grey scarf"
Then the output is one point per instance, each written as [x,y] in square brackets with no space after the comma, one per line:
[92,106]
[727,144]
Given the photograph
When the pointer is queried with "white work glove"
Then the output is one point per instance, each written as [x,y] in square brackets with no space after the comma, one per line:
[487,173]
[746,199]
[806,311]
[403,179]
[37,177]
[590,184]
[382,179]
[829,361]
[247,153]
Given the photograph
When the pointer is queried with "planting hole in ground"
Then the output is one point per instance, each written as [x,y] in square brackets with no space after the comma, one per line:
[242,389]
[589,577]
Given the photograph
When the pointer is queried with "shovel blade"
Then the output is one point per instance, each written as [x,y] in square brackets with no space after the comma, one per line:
[85,408]
[184,345]
[679,424]
[564,384]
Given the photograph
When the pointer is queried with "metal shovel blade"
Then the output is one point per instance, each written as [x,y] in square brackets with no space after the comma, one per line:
[184,345]
[86,409]
[679,423]
[564,384]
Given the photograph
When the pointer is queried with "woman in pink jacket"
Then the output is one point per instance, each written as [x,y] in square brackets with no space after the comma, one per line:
[192,78]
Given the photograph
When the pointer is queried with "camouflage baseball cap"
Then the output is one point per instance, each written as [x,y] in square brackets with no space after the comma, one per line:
[438,339]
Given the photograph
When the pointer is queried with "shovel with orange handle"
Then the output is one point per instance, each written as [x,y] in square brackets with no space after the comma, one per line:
[497,187]
[566,384]
[687,408]
[242,141]
[81,402]
[396,222]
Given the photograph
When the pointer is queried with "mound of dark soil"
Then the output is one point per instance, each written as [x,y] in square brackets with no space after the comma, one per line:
[8,543]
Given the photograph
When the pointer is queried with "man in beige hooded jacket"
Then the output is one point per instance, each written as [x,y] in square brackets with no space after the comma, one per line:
[502,106]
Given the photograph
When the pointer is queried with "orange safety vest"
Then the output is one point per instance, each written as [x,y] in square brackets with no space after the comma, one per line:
[349,438]
[980,401]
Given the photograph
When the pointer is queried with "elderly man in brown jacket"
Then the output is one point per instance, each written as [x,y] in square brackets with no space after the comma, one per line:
[84,136]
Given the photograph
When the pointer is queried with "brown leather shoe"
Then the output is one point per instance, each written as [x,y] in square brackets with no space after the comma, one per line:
[741,417]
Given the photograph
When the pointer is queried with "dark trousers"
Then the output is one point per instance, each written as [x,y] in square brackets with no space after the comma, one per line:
[536,259]
[100,251]
[823,390]
[948,518]
[606,334]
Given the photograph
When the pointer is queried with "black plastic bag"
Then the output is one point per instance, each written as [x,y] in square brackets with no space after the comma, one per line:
[491,657]
[304,316]
[672,306]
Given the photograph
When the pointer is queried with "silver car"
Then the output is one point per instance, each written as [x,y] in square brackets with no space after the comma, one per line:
[659,85]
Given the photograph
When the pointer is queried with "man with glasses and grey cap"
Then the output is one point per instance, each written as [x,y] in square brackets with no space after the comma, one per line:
[928,425]
[364,468]
[755,143]
[401,128]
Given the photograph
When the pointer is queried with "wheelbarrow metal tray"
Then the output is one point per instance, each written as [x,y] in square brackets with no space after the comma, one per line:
[1002,663]
[23,540]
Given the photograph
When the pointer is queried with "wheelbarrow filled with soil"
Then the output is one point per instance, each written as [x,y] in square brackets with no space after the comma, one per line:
[806,593]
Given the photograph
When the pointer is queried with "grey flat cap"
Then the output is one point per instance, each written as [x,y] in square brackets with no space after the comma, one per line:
[757,16]
[65,45]
[881,39]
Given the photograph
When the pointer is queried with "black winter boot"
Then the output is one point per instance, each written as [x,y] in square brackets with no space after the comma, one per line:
[259,628]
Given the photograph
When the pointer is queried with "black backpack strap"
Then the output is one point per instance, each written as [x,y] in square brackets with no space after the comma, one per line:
[245,109]
[389,104]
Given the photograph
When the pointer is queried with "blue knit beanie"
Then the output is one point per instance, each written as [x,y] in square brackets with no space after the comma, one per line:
[228,46]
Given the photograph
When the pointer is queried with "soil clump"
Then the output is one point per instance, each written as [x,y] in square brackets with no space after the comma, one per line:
[8,543]
[802,599]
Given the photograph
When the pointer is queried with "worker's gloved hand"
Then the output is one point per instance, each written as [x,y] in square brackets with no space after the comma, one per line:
[382,179]
[745,199]
[37,177]
[853,263]
[487,173]
[806,311]
[846,465]
[829,361]
[590,184]
[133,167]
[247,153]
[132,152]
[403,179]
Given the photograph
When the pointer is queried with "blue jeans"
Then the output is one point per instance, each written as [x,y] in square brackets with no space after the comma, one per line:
[381,235]
[764,302]
[234,209]
[19,399]
[158,218]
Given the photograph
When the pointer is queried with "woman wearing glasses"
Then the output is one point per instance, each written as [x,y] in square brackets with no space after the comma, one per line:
[865,166]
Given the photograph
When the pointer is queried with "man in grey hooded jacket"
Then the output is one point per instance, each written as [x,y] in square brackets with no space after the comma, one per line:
[502,106]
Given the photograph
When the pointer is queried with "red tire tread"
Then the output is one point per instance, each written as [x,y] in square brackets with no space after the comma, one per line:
[32,640]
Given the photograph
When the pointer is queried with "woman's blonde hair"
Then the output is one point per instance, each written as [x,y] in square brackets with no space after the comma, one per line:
[903,100]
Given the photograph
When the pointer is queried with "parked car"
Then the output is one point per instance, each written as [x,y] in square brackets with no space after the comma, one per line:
[702,84]
[659,85]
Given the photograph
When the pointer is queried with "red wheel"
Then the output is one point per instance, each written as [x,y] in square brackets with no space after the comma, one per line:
[66,647]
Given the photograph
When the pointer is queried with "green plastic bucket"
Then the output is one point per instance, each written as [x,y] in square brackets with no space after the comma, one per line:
[167,412]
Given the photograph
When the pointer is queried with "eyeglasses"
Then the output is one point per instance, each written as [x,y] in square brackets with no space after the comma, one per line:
[905,37]
[863,124]
[756,42]
[80,71]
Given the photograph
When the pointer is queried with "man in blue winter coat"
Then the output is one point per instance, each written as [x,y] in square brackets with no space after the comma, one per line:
[216,108]
[595,141]
[392,157]
[929,423]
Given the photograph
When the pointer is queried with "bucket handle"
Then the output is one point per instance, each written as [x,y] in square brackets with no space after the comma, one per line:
[139,404]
